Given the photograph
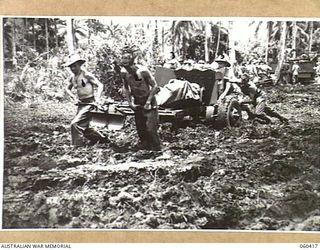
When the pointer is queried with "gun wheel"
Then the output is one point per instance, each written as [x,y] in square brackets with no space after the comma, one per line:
[229,114]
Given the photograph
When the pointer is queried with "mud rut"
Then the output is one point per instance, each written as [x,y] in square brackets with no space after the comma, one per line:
[251,177]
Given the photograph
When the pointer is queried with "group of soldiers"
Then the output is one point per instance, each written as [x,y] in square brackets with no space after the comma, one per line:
[243,83]
[139,89]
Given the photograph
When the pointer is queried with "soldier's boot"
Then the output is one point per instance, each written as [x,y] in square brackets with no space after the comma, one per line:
[263,119]
[95,137]
[273,113]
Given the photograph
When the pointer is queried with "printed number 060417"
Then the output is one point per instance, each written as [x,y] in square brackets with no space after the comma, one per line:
[310,245]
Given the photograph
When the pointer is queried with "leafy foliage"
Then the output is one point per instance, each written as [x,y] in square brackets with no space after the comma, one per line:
[108,71]
[100,41]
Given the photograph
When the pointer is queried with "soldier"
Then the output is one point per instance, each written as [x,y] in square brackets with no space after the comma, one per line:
[140,85]
[173,62]
[83,82]
[222,65]
[263,70]
[259,99]
[295,72]
[317,71]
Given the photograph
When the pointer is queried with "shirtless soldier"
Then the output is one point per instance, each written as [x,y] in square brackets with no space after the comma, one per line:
[258,98]
[140,85]
[83,82]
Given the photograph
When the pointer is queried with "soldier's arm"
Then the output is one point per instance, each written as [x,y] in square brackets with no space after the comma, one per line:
[68,89]
[92,79]
[225,91]
[146,74]
[126,89]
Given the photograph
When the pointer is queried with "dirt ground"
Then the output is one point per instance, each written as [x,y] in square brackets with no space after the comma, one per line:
[263,177]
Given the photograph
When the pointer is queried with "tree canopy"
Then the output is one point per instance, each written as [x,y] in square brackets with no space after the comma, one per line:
[46,42]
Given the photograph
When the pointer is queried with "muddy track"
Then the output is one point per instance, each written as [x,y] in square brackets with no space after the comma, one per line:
[251,177]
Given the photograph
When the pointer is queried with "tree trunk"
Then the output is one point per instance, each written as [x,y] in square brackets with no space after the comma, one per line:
[34,40]
[155,44]
[218,40]
[294,39]
[56,33]
[311,36]
[207,41]
[89,31]
[156,34]
[184,48]
[70,36]
[267,41]
[47,36]
[232,52]
[24,32]
[282,49]
[13,45]
[162,39]
[173,37]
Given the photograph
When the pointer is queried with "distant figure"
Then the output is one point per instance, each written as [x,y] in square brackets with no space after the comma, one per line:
[295,72]
[83,82]
[317,71]
[173,62]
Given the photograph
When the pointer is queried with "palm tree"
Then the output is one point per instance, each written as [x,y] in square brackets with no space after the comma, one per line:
[316,36]
[47,34]
[294,38]
[311,36]
[282,49]
[13,41]
[232,52]
[303,34]
[70,36]
[182,33]
[56,32]
[74,30]
[218,39]
[220,36]
[8,38]
[207,41]
[266,27]
[113,29]
[274,33]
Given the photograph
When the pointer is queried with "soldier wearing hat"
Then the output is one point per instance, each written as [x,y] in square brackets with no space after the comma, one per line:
[172,62]
[83,82]
[222,64]
[140,88]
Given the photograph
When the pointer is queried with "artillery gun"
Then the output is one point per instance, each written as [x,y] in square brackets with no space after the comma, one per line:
[206,109]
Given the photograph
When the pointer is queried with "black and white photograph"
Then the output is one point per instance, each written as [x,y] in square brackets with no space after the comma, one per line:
[161,123]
